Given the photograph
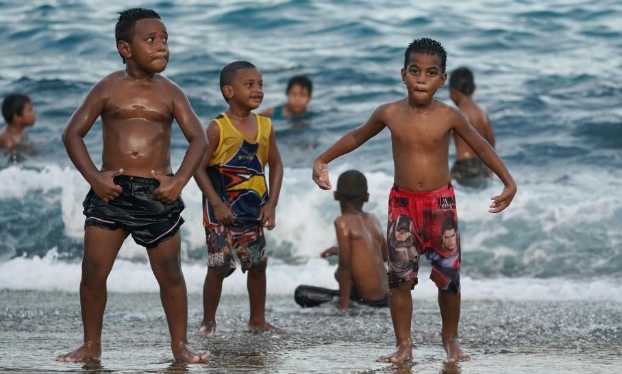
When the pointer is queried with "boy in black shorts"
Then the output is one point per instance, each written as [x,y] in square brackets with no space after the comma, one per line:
[134,191]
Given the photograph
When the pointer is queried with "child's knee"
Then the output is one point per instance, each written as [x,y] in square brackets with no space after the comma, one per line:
[93,272]
[220,272]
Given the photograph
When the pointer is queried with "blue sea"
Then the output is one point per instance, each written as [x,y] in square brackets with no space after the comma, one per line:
[547,72]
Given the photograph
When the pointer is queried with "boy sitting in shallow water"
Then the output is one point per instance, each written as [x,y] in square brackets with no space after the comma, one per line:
[361,248]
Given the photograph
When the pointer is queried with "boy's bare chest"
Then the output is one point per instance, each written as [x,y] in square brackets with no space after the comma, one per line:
[411,131]
[147,107]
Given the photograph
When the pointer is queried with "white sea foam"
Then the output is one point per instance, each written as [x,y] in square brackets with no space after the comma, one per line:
[51,274]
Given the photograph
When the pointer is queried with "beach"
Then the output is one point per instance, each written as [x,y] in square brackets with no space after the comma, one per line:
[541,281]
[508,337]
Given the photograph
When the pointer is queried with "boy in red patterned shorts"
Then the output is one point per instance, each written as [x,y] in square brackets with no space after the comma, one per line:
[422,206]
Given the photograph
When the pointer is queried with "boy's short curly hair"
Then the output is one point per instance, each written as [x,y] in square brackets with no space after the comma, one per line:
[429,47]
[124,29]
[13,105]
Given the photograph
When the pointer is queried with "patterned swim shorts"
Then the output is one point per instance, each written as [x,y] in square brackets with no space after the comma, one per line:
[424,223]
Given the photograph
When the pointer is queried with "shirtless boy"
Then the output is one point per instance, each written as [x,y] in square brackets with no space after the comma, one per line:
[134,191]
[468,169]
[422,196]
[361,249]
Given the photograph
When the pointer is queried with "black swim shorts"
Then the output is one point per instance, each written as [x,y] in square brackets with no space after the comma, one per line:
[137,210]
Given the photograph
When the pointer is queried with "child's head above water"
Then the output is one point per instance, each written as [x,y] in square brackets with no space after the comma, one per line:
[299,91]
[17,106]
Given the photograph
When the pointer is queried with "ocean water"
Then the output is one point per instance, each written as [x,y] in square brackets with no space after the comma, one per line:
[547,72]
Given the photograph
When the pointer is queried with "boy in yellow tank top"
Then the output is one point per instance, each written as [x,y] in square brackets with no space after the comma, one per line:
[236,202]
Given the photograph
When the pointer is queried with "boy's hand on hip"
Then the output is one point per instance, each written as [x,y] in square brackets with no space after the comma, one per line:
[320,175]
[104,186]
[169,190]
[502,201]
[223,213]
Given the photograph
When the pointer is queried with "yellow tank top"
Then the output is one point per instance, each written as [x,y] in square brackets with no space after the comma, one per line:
[236,170]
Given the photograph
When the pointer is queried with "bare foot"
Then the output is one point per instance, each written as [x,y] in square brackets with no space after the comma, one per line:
[86,352]
[207,329]
[263,327]
[183,353]
[403,353]
[454,352]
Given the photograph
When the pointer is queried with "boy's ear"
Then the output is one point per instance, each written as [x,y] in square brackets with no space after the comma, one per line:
[336,195]
[443,79]
[227,91]
[366,197]
[403,74]
[124,49]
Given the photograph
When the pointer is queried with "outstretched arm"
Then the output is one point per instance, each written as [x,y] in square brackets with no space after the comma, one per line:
[349,142]
[488,155]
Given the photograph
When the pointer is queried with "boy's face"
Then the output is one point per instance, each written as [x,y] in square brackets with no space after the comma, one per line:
[28,117]
[298,99]
[247,88]
[149,47]
[423,76]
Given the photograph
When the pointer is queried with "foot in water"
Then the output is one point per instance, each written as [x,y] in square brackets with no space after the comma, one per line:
[454,352]
[403,353]
[263,327]
[183,353]
[86,352]
[207,329]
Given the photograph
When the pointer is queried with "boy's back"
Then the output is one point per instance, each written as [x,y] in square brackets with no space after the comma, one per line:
[367,254]
[478,119]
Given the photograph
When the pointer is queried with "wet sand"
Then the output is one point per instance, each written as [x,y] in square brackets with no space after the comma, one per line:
[502,337]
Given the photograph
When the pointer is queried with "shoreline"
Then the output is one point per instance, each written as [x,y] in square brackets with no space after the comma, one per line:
[508,337]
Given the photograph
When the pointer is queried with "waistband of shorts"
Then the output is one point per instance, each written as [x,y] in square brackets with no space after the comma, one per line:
[422,194]
[138,180]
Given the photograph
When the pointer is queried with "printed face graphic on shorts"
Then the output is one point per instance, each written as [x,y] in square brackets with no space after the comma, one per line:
[424,223]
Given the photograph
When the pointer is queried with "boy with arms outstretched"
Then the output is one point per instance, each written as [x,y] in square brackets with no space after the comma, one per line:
[134,192]
[422,197]
[361,249]
[236,203]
